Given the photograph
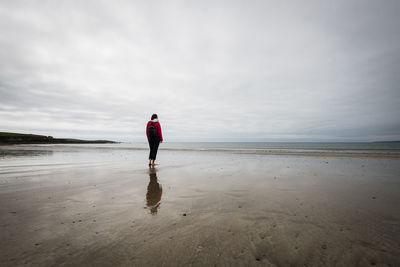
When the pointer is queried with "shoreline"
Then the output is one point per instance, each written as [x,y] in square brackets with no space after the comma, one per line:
[351,153]
[107,208]
[328,154]
[85,207]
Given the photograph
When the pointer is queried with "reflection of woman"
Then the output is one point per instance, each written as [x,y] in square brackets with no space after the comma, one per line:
[154,192]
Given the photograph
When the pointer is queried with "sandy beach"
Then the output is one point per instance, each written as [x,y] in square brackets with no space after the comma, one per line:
[105,207]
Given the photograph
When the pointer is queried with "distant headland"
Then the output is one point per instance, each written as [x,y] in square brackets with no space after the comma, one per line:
[19,138]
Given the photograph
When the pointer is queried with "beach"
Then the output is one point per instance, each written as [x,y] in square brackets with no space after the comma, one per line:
[83,205]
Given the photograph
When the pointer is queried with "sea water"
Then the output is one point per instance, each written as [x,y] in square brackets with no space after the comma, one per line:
[59,153]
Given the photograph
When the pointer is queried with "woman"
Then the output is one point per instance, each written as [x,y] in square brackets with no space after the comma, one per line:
[154,136]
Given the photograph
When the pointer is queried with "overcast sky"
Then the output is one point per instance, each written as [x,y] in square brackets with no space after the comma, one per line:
[212,70]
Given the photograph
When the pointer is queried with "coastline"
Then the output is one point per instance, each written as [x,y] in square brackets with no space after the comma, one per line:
[7,138]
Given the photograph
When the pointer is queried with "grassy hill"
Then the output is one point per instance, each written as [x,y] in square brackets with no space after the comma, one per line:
[19,138]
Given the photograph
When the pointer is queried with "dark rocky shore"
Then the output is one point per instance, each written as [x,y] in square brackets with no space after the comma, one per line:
[18,138]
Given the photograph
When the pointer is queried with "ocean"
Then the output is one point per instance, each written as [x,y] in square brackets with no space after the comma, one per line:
[360,149]
[386,146]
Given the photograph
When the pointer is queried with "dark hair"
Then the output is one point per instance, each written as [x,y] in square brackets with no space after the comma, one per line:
[154,116]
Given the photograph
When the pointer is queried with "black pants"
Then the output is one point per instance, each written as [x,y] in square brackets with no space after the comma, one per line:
[154,142]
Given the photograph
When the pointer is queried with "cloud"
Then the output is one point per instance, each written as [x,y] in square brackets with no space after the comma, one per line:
[293,70]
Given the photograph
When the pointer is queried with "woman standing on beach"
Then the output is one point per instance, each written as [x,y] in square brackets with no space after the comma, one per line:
[154,136]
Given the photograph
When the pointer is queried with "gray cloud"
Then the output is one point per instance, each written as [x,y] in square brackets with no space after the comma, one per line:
[225,70]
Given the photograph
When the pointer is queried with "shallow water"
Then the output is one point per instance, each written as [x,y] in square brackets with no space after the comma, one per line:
[262,148]
[102,205]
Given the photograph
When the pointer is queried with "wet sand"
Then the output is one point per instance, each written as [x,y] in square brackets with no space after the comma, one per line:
[107,208]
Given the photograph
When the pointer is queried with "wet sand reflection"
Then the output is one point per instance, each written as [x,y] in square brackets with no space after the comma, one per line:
[154,192]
